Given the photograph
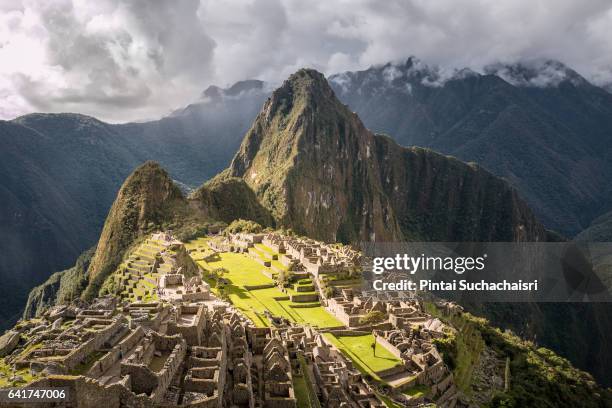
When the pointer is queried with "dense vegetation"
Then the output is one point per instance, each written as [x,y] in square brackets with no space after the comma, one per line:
[537,376]
[241,225]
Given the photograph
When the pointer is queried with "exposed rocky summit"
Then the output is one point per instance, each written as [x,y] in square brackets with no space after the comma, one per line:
[316,168]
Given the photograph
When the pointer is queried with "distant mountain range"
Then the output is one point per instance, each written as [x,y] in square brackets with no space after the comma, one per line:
[541,126]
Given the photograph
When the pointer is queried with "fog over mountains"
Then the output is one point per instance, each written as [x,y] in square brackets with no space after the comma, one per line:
[540,125]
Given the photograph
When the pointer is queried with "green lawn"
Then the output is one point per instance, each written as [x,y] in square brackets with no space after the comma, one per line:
[265,249]
[254,302]
[315,316]
[243,270]
[417,391]
[301,392]
[359,349]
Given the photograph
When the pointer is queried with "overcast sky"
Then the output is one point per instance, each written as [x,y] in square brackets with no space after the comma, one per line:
[122,60]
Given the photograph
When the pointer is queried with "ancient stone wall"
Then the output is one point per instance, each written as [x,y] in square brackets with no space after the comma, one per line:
[77,356]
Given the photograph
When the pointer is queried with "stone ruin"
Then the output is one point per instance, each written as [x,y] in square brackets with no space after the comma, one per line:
[351,309]
[315,257]
[190,349]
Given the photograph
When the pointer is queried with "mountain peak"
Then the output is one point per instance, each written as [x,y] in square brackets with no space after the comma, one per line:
[301,89]
[538,73]
[312,163]
[147,199]
[302,111]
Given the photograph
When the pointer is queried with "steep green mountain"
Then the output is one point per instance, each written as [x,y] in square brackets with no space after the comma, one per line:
[539,125]
[61,172]
[316,168]
[148,200]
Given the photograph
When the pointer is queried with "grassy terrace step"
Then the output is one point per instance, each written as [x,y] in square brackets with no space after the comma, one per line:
[266,249]
[278,265]
[145,257]
[141,262]
[261,255]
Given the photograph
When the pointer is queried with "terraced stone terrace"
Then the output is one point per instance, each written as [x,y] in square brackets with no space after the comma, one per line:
[137,275]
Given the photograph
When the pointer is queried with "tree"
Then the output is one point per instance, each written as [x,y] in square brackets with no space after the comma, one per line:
[372,317]
[217,274]
[282,278]
[244,226]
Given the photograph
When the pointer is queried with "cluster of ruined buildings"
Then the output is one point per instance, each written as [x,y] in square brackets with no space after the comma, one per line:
[197,354]
[298,254]
[188,348]
[407,331]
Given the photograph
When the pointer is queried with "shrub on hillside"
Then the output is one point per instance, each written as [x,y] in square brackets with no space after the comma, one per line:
[372,317]
[244,226]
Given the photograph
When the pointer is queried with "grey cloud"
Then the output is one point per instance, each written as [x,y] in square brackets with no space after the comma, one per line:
[148,57]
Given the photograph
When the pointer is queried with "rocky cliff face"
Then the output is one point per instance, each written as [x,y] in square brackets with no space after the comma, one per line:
[316,168]
[147,200]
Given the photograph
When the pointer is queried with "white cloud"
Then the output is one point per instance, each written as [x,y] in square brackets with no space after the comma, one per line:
[129,60]
[112,59]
